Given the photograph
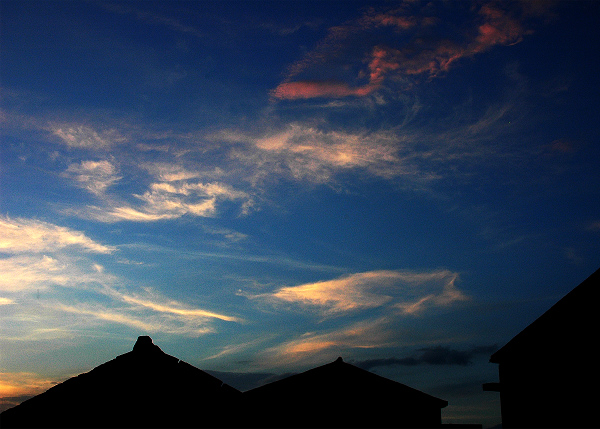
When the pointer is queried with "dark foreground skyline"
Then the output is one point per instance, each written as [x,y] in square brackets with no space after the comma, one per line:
[265,186]
[148,388]
[545,372]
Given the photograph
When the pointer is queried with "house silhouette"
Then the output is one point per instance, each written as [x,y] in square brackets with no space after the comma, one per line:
[341,395]
[143,388]
[149,388]
[549,372]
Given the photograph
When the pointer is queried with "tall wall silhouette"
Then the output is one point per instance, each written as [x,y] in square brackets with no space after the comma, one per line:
[549,373]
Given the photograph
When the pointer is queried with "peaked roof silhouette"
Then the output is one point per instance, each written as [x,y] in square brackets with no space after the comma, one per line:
[142,388]
[568,323]
[340,376]
[339,394]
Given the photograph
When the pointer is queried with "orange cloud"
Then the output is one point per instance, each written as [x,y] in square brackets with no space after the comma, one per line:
[310,345]
[23,384]
[412,293]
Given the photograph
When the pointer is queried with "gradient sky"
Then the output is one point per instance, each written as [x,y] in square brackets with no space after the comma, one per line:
[262,187]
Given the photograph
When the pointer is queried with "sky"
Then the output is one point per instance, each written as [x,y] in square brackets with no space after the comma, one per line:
[262,187]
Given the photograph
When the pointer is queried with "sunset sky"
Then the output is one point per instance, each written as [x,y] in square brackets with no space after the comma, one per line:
[264,186]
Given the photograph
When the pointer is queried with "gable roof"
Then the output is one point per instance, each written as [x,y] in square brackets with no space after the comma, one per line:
[144,387]
[339,378]
[568,325]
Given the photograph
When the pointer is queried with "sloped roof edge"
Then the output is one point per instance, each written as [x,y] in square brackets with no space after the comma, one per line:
[578,302]
[340,364]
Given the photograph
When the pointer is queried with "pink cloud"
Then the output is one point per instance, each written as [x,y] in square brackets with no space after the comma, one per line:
[380,65]
[429,56]
[402,22]
[498,29]
[313,89]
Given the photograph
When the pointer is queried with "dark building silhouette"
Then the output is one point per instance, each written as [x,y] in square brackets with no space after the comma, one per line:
[341,395]
[549,372]
[148,388]
[142,388]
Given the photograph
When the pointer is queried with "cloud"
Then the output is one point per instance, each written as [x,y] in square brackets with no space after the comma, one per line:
[94,297]
[177,309]
[38,258]
[408,293]
[153,18]
[308,153]
[166,172]
[84,137]
[420,45]
[312,345]
[165,200]
[102,313]
[25,235]
[14,384]
[94,176]
[437,355]
[25,272]
[313,89]
[148,311]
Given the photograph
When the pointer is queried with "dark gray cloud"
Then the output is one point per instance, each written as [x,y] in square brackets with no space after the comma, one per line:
[438,355]
[12,401]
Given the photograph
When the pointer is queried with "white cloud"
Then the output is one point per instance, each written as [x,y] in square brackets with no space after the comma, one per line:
[39,260]
[174,308]
[308,153]
[95,176]
[170,172]
[168,200]
[85,137]
[90,297]
[25,235]
[31,272]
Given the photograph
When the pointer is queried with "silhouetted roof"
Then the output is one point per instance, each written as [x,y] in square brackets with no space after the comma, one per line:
[338,378]
[569,325]
[144,387]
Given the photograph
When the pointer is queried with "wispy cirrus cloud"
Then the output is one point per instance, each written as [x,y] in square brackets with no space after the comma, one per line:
[364,310]
[308,153]
[309,346]
[94,176]
[20,235]
[175,308]
[165,200]
[77,295]
[152,18]
[86,137]
[54,260]
[421,48]
[410,293]
[148,310]
[35,272]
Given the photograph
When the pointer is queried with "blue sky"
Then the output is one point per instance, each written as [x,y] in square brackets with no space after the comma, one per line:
[264,186]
